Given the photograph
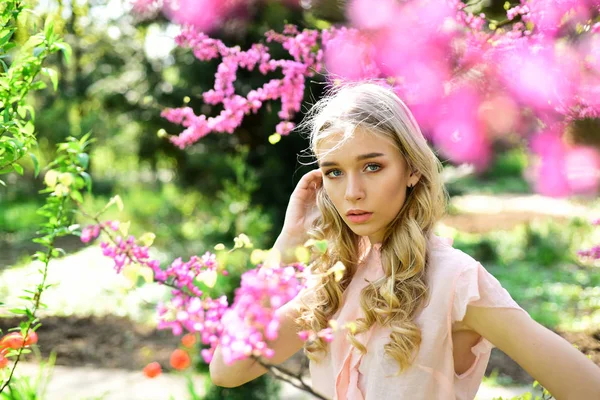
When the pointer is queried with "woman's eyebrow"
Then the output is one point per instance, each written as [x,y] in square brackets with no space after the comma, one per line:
[359,158]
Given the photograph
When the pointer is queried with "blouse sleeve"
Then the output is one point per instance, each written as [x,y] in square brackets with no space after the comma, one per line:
[475,286]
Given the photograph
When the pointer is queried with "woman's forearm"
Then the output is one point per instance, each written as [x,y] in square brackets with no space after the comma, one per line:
[233,375]
[286,244]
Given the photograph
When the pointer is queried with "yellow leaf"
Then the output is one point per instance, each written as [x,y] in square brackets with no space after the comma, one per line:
[337,270]
[272,259]
[274,138]
[66,179]
[61,190]
[209,278]
[302,254]
[130,272]
[119,202]
[242,241]
[257,256]
[51,178]
[147,239]
[124,228]
[147,274]
[351,326]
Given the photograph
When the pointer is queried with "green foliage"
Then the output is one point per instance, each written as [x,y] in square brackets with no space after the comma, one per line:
[17,117]
[546,395]
[494,379]
[536,263]
[20,217]
[262,388]
[65,181]
[31,388]
[188,222]
[505,175]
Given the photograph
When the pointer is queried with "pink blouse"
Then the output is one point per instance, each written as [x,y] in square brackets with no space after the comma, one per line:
[455,281]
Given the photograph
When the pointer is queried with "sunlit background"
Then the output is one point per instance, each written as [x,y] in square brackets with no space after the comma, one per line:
[508,93]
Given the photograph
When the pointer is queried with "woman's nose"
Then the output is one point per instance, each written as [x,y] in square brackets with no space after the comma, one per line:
[354,189]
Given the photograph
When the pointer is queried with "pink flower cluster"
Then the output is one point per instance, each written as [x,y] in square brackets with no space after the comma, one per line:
[468,81]
[252,319]
[91,232]
[289,89]
[593,253]
[242,329]
[126,251]
[204,15]
[195,314]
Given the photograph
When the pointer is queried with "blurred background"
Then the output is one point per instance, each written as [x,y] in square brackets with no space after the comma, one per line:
[125,69]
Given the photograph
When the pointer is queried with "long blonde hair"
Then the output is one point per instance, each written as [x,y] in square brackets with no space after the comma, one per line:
[394,300]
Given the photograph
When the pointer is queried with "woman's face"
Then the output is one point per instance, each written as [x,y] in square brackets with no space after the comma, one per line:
[367,176]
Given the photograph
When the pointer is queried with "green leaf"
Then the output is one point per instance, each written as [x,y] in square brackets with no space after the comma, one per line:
[53,75]
[49,27]
[66,50]
[84,159]
[38,50]
[36,164]
[75,195]
[88,181]
[4,39]
[57,252]
[18,168]
[17,311]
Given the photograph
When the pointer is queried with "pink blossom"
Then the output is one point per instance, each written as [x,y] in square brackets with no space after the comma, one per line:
[349,56]
[582,169]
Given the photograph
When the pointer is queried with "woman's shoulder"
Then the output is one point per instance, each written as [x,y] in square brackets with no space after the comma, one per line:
[444,258]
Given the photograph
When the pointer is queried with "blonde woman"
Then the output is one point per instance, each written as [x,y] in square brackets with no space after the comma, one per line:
[427,315]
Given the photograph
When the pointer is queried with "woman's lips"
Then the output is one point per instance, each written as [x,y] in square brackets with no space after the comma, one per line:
[360,218]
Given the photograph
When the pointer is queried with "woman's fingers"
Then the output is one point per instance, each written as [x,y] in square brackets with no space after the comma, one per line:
[311,180]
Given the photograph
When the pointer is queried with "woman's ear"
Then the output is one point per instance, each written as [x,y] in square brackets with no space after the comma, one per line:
[414,178]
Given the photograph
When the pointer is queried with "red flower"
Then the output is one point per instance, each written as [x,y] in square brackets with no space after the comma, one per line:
[13,340]
[180,360]
[152,370]
[32,338]
[3,360]
[188,340]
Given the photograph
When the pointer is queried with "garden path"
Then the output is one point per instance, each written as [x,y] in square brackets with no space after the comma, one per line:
[117,384]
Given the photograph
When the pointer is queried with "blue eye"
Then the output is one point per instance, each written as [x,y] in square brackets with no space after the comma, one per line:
[331,174]
[377,167]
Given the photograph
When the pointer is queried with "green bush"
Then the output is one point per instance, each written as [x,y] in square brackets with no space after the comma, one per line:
[262,388]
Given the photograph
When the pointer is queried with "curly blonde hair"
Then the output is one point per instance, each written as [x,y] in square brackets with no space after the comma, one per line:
[393,300]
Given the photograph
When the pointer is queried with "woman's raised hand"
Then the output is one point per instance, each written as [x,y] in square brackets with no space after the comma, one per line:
[302,208]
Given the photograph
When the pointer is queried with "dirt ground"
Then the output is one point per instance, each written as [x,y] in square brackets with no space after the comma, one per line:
[483,223]
[103,342]
[114,342]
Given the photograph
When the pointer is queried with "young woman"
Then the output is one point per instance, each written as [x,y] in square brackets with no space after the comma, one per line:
[427,315]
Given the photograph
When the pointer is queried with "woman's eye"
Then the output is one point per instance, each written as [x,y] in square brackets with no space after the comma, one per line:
[373,167]
[333,173]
